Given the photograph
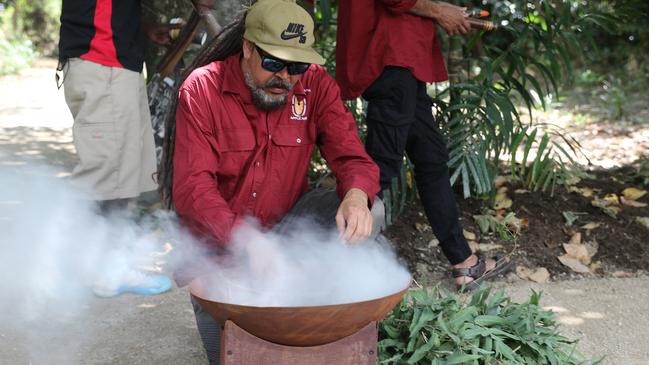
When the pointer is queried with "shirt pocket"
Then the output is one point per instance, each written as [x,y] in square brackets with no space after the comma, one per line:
[291,135]
[236,150]
[236,140]
[290,154]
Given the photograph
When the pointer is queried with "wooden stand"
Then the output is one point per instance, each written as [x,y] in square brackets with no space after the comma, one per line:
[239,347]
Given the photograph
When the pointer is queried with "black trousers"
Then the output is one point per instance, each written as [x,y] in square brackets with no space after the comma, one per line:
[400,120]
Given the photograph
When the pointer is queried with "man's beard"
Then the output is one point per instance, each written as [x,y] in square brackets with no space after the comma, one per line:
[262,99]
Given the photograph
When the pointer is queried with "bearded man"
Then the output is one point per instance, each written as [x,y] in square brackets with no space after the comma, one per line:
[247,120]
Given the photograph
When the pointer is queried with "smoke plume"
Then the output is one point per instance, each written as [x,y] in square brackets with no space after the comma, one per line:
[307,267]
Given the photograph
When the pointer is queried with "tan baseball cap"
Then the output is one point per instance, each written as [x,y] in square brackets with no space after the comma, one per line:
[283,29]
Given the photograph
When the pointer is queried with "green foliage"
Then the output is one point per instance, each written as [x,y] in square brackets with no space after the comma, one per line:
[399,194]
[492,74]
[477,123]
[506,227]
[552,158]
[430,327]
[525,61]
[629,38]
[326,17]
[33,20]
[643,172]
[15,54]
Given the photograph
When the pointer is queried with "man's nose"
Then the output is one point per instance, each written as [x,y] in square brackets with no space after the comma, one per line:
[282,74]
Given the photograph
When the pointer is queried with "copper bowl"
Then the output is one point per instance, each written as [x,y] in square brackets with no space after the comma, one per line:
[298,326]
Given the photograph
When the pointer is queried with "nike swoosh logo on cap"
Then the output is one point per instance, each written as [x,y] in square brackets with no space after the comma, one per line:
[287,36]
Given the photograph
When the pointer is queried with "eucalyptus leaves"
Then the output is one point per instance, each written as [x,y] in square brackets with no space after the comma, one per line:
[429,327]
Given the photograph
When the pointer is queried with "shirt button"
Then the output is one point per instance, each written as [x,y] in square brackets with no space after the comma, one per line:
[254,194]
[298,140]
[257,164]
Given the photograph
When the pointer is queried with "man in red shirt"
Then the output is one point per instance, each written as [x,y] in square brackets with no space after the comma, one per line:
[387,51]
[247,122]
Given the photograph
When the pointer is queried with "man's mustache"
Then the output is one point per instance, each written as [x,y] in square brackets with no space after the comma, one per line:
[279,83]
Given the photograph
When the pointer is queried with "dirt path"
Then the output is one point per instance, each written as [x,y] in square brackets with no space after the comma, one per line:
[35,123]
[611,316]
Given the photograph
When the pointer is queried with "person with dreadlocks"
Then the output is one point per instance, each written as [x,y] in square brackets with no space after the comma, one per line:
[247,120]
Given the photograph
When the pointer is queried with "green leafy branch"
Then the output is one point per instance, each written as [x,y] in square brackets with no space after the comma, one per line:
[431,327]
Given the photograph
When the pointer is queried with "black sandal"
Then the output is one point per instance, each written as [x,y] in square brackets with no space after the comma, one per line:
[479,272]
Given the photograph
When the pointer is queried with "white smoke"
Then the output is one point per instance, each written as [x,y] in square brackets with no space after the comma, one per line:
[307,267]
[55,248]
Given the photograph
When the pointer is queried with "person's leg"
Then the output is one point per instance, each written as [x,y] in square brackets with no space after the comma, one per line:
[135,159]
[210,332]
[427,150]
[112,133]
[88,94]
[390,112]
[113,206]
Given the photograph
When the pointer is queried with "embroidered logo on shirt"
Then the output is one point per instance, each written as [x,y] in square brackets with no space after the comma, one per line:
[298,107]
[294,30]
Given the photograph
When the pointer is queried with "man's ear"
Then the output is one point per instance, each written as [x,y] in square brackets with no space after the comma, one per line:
[247,49]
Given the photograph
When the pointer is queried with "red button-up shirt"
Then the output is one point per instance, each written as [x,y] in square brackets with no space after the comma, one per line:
[373,34]
[232,159]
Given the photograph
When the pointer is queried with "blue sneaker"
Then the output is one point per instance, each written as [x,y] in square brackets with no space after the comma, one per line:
[143,285]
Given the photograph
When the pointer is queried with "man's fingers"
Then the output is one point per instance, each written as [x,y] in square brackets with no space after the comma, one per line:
[340,222]
[352,226]
[363,228]
[368,225]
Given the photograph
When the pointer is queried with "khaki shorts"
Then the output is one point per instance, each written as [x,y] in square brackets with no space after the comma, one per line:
[112,130]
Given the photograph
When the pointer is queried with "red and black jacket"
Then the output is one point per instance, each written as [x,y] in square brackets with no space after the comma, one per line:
[107,32]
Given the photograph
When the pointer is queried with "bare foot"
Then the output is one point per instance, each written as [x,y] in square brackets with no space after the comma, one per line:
[469,262]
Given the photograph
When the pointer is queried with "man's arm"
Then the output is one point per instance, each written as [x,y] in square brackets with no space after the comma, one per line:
[195,192]
[450,17]
[356,174]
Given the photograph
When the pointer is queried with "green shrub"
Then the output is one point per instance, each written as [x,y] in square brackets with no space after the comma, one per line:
[429,327]
[36,20]
[15,54]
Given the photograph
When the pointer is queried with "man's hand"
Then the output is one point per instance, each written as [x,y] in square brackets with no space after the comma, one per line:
[159,33]
[354,219]
[450,17]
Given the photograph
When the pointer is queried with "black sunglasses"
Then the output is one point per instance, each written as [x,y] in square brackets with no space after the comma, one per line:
[274,64]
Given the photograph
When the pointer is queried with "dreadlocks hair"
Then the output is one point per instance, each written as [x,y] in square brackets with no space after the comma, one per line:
[227,43]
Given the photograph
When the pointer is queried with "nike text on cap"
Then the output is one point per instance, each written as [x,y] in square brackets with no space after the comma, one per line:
[283,29]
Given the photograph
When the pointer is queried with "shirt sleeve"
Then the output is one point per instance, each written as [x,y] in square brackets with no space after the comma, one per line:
[399,6]
[196,196]
[339,142]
